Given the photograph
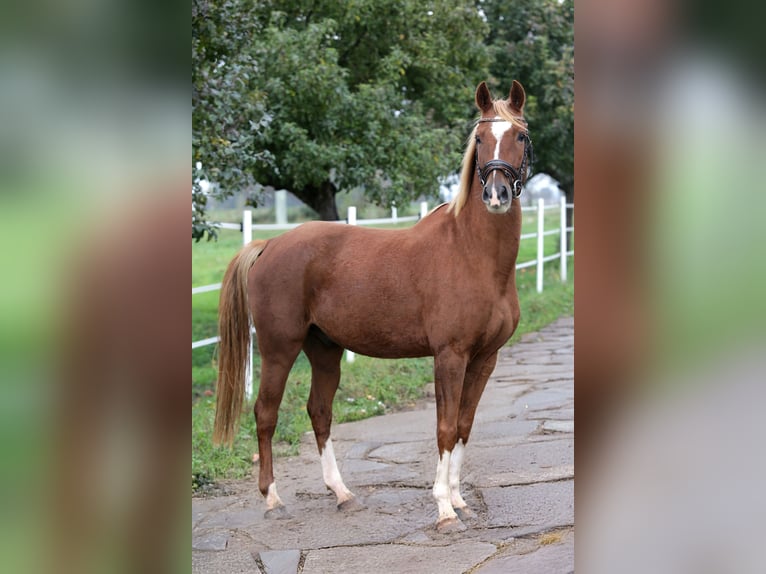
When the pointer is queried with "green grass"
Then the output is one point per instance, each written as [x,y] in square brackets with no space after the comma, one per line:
[368,386]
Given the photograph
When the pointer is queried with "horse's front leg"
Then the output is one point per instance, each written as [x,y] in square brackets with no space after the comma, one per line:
[449,372]
[476,376]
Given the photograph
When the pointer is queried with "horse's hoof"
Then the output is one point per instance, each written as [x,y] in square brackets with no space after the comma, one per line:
[277,513]
[351,505]
[450,525]
[465,514]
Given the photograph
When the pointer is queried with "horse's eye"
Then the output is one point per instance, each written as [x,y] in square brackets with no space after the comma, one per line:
[522,136]
[478,140]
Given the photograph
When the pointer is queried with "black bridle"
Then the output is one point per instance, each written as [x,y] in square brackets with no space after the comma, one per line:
[517,177]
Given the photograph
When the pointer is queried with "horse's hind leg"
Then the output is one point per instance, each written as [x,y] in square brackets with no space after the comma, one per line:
[275,367]
[325,356]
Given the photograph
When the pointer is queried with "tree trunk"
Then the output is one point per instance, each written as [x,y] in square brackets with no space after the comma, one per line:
[321,199]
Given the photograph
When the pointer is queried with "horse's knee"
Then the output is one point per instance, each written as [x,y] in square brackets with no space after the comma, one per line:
[446,435]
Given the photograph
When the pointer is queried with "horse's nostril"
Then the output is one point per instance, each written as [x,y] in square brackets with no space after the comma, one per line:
[485,194]
[503,193]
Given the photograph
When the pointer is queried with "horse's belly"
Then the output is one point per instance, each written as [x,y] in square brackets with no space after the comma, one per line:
[388,341]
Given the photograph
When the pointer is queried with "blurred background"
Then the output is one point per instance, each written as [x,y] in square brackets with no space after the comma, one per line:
[94,136]
[669,148]
[669,366]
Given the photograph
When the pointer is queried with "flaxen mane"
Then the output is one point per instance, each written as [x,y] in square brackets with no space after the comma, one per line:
[502,110]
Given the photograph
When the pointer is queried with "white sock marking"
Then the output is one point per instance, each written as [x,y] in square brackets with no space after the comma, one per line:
[272,498]
[331,474]
[441,489]
[456,461]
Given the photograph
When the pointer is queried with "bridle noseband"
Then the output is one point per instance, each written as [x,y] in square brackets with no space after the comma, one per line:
[517,177]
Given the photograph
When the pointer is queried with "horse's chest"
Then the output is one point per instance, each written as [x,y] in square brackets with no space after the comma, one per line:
[481,322]
[499,326]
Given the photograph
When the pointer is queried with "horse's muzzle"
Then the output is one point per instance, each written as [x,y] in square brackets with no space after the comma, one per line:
[496,198]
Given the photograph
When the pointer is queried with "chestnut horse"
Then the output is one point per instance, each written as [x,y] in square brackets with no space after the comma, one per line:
[445,288]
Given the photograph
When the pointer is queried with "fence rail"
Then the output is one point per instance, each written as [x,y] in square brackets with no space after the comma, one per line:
[247,226]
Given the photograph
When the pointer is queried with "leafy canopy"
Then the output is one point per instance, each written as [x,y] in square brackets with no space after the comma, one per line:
[321,96]
[318,96]
[533,41]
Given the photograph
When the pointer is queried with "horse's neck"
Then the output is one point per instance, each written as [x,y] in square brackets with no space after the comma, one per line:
[490,235]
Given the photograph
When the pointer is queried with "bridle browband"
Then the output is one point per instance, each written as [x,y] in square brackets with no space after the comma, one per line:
[517,177]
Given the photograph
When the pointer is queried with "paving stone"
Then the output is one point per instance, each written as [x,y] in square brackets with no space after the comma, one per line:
[518,474]
[393,500]
[508,431]
[417,537]
[558,426]
[547,504]
[280,561]
[210,540]
[452,559]
[235,518]
[237,561]
[555,558]
[316,523]
[520,463]
[402,453]
[203,507]
[372,472]
[356,450]
[555,415]
[548,398]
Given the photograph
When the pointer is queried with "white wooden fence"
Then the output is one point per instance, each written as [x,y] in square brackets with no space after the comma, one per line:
[562,255]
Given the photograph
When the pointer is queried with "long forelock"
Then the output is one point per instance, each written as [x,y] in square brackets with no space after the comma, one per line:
[502,110]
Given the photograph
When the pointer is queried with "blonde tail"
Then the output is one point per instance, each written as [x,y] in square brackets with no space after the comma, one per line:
[234,331]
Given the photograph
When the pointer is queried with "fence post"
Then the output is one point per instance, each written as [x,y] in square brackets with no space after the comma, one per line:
[351,219]
[247,237]
[423,209]
[247,226]
[540,242]
[280,206]
[394,214]
[563,246]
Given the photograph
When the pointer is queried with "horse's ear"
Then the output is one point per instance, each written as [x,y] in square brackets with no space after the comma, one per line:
[517,96]
[483,98]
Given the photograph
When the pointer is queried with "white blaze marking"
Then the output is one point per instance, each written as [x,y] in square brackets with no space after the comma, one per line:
[456,461]
[331,474]
[498,130]
[441,489]
[272,498]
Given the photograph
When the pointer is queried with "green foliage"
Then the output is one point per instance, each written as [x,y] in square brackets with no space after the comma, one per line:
[227,108]
[533,41]
[318,97]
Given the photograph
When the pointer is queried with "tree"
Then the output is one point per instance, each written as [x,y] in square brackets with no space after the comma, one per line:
[533,41]
[330,96]
[227,108]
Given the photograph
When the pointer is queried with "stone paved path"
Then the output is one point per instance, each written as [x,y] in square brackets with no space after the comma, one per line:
[518,476]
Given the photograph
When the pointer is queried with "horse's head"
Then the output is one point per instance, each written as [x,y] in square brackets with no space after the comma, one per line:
[502,147]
